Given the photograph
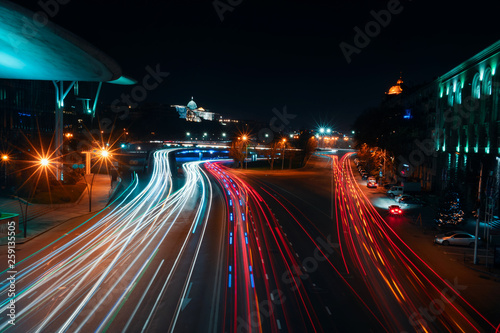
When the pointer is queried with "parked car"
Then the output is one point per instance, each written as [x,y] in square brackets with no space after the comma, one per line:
[388,186]
[395,190]
[371,182]
[395,210]
[456,238]
[403,196]
[410,201]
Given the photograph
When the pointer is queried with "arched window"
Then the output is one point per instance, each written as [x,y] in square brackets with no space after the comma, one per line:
[487,84]
[451,95]
[458,93]
[476,87]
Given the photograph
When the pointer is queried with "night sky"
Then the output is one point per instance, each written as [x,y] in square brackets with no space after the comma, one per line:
[268,54]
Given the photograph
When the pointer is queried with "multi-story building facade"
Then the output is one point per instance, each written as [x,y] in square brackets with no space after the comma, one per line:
[467,125]
[26,106]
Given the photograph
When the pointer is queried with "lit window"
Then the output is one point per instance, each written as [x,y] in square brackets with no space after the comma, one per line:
[487,85]
[476,87]
[451,99]
[458,93]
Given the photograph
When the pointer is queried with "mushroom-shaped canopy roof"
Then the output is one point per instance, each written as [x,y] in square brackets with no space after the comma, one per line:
[33,50]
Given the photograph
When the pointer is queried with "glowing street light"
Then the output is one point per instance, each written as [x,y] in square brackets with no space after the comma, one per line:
[245,138]
[322,130]
[283,160]
[104,153]
[328,130]
[44,162]
[5,159]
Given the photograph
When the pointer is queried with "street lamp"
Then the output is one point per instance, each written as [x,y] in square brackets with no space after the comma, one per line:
[104,153]
[245,138]
[5,159]
[44,164]
[283,160]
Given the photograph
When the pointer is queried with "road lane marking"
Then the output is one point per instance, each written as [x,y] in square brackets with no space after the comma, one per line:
[143,295]
[186,299]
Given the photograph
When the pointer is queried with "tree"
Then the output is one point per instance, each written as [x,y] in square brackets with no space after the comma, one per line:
[272,152]
[309,149]
[291,155]
[237,151]
[450,211]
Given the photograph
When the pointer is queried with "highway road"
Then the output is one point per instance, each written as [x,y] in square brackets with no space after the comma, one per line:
[235,251]
[134,269]
[365,278]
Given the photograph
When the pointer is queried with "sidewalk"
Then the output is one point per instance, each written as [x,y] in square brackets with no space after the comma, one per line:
[42,218]
[453,263]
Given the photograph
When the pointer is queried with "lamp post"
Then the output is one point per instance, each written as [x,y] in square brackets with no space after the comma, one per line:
[245,138]
[104,153]
[5,159]
[283,159]
[44,163]
[478,214]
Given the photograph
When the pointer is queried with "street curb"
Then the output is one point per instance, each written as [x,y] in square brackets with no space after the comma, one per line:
[25,240]
[114,191]
[495,276]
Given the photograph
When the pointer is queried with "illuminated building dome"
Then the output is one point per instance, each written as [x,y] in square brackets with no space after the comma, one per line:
[396,90]
[192,105]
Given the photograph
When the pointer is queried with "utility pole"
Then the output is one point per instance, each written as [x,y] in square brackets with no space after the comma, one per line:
[283,160]
[478,213]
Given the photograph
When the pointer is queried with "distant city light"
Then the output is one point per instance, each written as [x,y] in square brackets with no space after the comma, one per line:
[188,134]
[224,134]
